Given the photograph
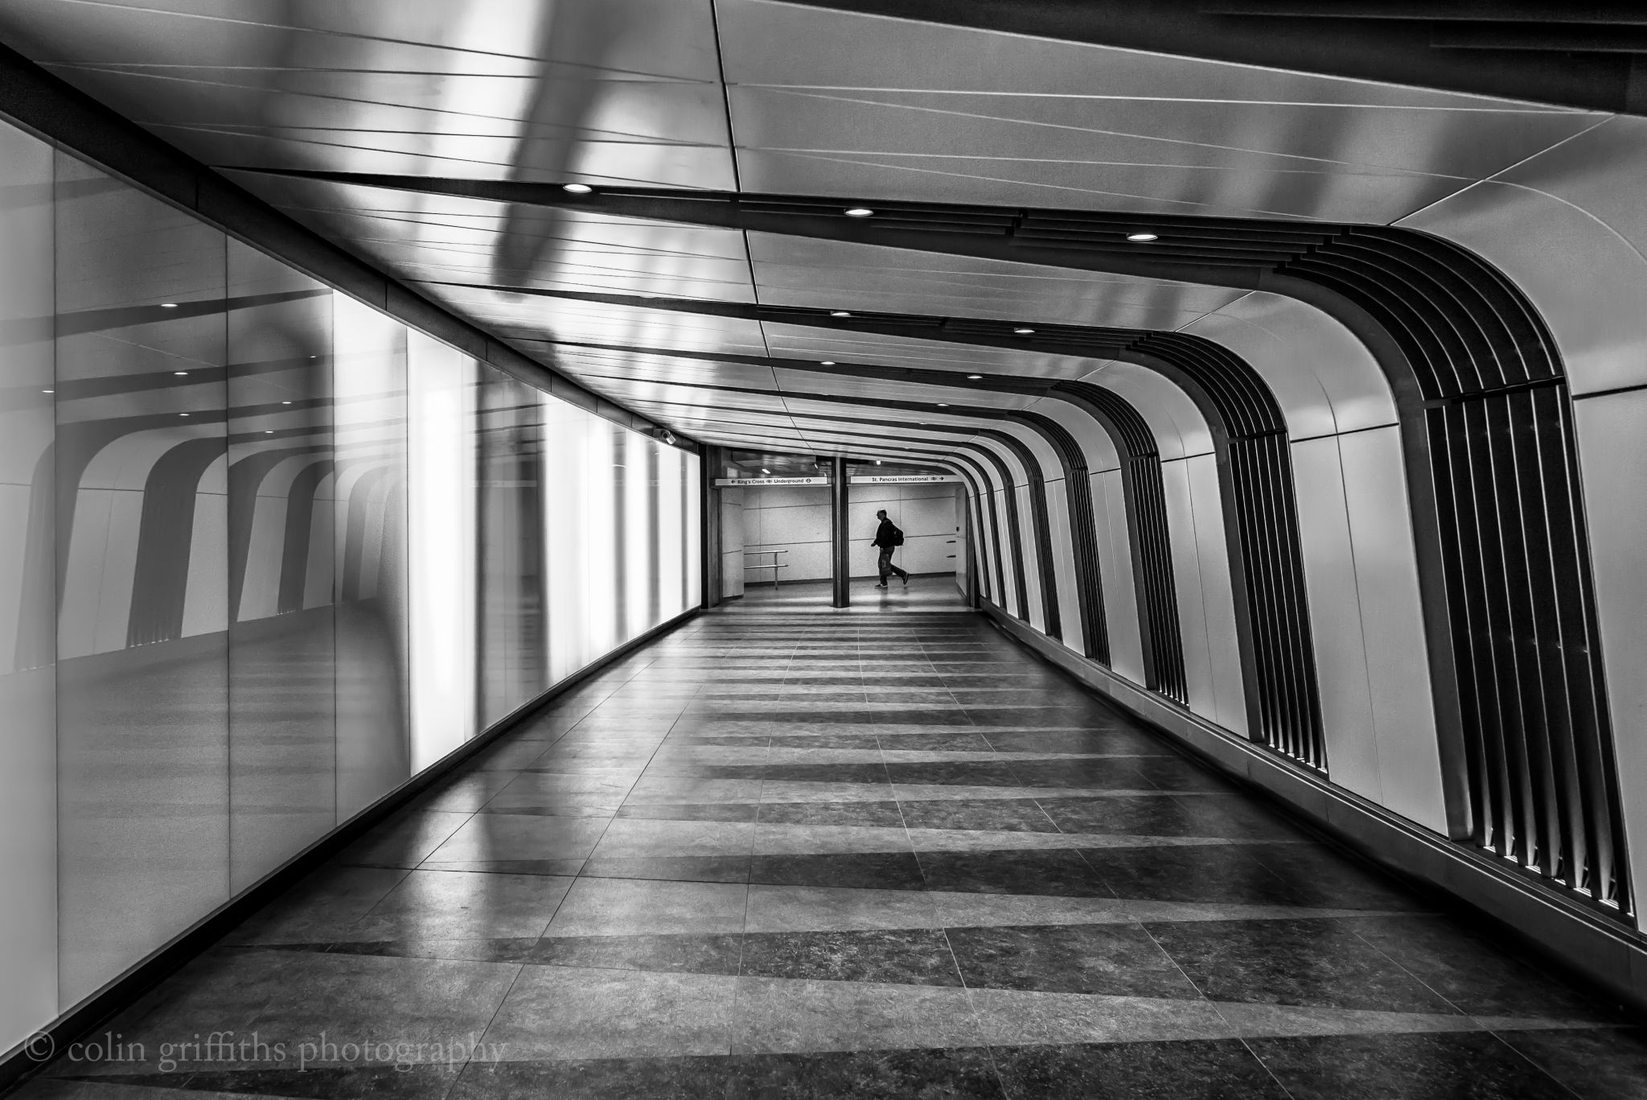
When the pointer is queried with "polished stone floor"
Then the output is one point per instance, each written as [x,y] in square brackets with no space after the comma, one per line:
[791,852]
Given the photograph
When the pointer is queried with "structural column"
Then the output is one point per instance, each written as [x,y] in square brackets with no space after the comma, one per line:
[839,536]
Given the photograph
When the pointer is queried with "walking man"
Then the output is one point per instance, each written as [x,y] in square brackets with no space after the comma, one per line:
[887,537]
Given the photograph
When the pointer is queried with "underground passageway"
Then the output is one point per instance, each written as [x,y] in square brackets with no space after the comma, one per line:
[786,850]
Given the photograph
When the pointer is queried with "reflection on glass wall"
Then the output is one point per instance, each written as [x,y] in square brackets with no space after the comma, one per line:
[264,554]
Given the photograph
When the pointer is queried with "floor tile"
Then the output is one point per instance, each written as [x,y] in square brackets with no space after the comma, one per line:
[1404,1067]
[1301,962]
[903,956]
[1119,959]
[559,1012]
[962,1073]
[1181,1070]
[595,907]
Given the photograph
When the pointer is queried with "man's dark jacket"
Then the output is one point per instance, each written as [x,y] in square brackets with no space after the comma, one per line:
[884,536]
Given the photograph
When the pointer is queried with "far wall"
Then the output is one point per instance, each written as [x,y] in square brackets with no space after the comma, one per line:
[796,518]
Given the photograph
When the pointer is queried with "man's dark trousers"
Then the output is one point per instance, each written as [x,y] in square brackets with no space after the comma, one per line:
[884,564]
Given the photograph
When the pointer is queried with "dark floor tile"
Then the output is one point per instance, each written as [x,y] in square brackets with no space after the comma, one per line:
[935,742]
[679,953]
[1181,1070]
[730,868]
[516,949]
[890,716]
[1118,959]
[1074,717]
[1100,773]
[1193,872]
[1313,874]
[690,811]
[1453,1066]
[967,773]
[1011,814]
[519,866]
[826,773]
[400,1082]
[862,870]
[825,741]
[1119,740]
[1053,873]
[1177,773]
[1596,1063]
[1480,977]
[1293,962]
[904,956]
[681,1078]
[962,1073]
[1153,815]
[884,813]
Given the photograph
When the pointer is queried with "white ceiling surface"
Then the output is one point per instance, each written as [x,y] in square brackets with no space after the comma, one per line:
[871,109]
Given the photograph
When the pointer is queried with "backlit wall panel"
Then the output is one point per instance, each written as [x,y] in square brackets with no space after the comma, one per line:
[28,646]
[264,554]
[142,709]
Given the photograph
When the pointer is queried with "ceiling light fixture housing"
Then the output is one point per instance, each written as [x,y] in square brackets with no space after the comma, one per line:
[859,212]
[168,305]
[1023,330]
[576,188]
[839,313]
[974,377]
[1142,238]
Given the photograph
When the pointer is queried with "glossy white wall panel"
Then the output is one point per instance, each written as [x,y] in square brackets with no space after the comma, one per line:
[369,385]
[1323,377]
[1096,445]
[1217,592]
[1187,581]
[1178,426]
[1007,537]
[1347,724]
[1032,560]
[28,781]
[1063,564]
[1126,646]
[1567,227]
[731,521]
[1614,462]
[1392,624]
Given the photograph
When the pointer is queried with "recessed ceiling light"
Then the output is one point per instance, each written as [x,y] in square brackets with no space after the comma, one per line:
[268,431]
[973,377]
[285,402]
[577,188]
[943,405]
[858,212]
[182,414]
[827,363]
[764,470]
[1141,238]
[168,305]
[181,373]
[839,313]
[48,391]
[1022,331]
[877,462]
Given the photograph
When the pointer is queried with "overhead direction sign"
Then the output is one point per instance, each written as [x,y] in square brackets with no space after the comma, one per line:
[771,481]
[901,479]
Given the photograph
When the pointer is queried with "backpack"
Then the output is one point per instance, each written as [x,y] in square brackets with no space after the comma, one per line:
[897,536]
